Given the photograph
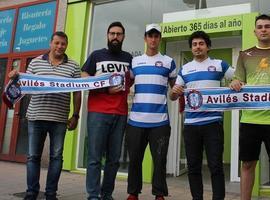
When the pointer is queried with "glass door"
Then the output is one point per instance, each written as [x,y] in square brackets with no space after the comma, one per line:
[3,69]
[182,154]
[13,132]
[22,139]
[8,114]
[176,158]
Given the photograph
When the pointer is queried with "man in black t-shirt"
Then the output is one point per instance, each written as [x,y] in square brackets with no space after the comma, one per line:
[107,114]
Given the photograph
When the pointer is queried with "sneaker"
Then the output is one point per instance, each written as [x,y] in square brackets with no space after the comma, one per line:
[132,197]
[159,198]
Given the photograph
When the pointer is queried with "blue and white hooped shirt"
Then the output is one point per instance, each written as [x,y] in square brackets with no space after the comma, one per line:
[205,74]
[151,76]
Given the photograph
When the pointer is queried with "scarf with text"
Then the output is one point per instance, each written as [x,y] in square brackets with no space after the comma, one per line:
[39,84]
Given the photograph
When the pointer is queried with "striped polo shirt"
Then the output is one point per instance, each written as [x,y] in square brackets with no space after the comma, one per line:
[55,106]
[151,75]
[205,74]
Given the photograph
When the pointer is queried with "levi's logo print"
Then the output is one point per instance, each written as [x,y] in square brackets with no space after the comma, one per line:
[111,67]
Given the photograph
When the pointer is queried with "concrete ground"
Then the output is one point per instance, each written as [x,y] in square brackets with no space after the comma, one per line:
[72,186]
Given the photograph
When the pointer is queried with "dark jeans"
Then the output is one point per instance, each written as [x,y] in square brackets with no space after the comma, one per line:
[105,135]
[137,140]
[210,137]
[37,132]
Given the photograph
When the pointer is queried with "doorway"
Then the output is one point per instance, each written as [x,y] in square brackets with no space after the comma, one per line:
[225,49]
[13,129]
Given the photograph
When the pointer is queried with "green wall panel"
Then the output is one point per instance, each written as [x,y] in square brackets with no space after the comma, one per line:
[76,26]
[248,36]
[75,29]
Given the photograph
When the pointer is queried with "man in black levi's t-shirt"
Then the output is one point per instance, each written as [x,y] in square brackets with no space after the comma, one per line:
[107,114]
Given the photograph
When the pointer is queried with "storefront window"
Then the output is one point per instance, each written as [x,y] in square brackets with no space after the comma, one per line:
[149,11]
[127,13]
[264,6]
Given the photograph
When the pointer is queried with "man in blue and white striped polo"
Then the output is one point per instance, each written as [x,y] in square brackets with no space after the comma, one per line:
[203,129]
[149,120]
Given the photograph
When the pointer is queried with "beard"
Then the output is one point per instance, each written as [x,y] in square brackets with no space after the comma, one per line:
[114,47]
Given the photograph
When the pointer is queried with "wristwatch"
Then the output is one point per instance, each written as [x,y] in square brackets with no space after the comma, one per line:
[77,116]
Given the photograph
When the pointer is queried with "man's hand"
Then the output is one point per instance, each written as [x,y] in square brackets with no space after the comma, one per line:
[13,74]
[115,89]
[176,91]
[236,85]
[72,123]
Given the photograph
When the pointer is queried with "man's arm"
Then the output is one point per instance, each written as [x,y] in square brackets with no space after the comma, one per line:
[239,77]
[176,91]
[13,74]
[84,74]
[73,121]
[177,86]
[229,73]
[172,82]
[76,102]
[236,85]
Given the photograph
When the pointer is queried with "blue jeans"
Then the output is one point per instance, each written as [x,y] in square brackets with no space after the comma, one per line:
[105,136]
[37,132]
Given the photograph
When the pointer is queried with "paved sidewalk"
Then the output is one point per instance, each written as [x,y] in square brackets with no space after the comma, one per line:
[72,186]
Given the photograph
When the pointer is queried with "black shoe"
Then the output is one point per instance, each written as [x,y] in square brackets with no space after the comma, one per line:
[51,197]
[30,197]
[107,198]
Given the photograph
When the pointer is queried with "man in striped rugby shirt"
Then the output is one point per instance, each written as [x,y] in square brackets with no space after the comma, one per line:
[203,130]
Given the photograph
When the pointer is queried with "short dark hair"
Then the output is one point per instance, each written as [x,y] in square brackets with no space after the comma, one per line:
[60,34]
[263,17]
[119,24]
[202,35]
